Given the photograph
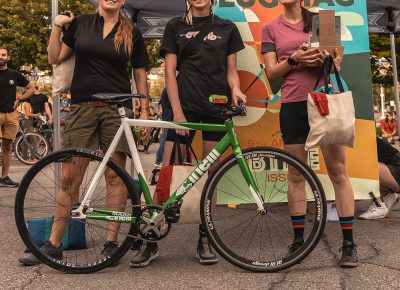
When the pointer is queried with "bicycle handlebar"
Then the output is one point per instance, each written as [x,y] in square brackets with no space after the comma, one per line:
[233,111]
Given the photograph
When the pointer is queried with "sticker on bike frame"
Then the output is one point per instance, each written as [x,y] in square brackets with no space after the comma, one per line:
[218,99]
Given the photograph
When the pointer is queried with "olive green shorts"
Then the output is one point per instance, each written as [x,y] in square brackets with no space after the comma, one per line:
[93,128]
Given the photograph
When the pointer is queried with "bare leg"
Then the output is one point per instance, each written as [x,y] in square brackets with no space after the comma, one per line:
[72,174]
[116,194]
[335,158]
[6,158]
[296,187]
[386,179]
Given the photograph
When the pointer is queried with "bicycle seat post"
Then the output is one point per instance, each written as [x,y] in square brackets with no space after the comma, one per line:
[121,110]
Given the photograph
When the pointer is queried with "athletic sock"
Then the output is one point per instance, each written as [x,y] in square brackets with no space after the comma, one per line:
[346,223]
[202,233]
[298,225]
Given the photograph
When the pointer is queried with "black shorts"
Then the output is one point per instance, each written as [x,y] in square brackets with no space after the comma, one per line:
[199,118]
[293,120]
[394,167]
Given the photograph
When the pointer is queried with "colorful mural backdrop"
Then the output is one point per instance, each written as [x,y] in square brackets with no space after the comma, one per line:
[261,126]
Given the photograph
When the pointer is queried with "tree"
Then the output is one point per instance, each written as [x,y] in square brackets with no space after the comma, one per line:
[380,47]
[153,48]
[25,27]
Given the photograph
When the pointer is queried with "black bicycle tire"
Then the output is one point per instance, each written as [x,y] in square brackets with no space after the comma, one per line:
[20,220]
[20,138]
[221,249]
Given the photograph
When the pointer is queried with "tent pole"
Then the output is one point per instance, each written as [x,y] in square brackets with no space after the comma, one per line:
[56,110]
[395,80]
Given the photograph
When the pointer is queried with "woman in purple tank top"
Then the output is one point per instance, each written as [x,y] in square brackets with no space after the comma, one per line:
[286,56]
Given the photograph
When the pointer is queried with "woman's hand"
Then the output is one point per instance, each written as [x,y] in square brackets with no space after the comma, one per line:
[236,95]
[63,19]
[144,132]
[337,59]
[308,56]
[181,118]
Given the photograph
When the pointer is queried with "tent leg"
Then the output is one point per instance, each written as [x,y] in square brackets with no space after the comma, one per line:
[395,80]
[56,111]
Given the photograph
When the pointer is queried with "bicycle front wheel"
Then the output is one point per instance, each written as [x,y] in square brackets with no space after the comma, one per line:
[249,238]
[83,239]
[30,147]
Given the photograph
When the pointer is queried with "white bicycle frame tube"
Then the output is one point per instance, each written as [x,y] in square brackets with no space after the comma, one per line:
[125,127]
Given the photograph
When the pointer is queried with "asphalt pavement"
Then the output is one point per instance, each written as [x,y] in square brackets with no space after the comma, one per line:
[177,268]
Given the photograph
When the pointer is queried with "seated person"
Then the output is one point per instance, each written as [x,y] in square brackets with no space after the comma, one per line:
[389,180]
[388,127]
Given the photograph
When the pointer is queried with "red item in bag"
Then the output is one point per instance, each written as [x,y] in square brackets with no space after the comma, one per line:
[321,102]
[163,185]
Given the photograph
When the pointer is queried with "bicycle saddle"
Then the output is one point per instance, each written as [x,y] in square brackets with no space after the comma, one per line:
[116,97]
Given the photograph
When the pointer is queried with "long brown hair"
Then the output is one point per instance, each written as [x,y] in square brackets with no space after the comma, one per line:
[123,37]
[307,18]
[188,17]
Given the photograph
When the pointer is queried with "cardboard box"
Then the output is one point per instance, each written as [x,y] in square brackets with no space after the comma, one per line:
[326,32]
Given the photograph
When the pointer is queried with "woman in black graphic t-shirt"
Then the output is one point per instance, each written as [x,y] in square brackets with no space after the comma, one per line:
[207,66]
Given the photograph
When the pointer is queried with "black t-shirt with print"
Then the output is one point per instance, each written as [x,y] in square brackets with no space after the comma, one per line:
[9,81]
[37,102]
[203,70]
[99,68]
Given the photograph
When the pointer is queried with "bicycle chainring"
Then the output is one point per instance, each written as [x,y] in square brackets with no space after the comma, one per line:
[152,224]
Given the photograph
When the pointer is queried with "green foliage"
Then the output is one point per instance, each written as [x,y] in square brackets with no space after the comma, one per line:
[153,48]
[380,47]
[25,27]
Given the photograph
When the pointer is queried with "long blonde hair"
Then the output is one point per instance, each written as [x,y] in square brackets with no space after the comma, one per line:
[188,17]
[123,37]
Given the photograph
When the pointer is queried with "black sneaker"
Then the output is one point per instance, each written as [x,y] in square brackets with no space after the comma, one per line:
[7,182]
[108,248]
[297,243]
[205,253]
[143,258]
[55,252]
[349,255]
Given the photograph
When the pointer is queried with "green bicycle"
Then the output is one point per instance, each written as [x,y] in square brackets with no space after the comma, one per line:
[244,205]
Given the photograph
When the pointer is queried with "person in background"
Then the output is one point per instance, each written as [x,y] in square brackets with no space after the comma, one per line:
[389,181]
[39,105]
[389,128]
[65,106]
[166,115]
[9,124]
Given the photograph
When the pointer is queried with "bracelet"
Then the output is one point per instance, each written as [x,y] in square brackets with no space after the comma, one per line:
[57,25]
[147,108]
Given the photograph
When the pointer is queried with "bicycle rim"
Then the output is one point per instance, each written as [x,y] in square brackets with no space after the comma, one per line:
[30,149]
[36,199]
[244,235]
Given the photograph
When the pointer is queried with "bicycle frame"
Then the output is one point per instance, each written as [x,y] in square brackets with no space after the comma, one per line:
[228,140]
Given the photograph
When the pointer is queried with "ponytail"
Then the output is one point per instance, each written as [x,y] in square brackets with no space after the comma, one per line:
[188,17]
[307,19]
[123,37]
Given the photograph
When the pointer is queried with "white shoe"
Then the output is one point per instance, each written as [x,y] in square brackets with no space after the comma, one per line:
[391,199]
[373,212]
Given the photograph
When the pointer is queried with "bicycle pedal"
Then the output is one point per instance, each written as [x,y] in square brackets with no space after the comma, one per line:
[173,212]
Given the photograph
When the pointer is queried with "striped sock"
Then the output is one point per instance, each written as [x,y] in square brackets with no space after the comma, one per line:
[346,223]
[298,225]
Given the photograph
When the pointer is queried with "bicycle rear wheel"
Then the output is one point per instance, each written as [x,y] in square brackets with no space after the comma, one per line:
[245,236]
[36,199]
[30,147]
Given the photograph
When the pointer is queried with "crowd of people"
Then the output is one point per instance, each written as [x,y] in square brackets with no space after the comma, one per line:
[196,68]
